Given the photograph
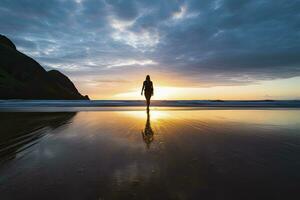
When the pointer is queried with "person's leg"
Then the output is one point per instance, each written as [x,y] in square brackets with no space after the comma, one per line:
[148,101]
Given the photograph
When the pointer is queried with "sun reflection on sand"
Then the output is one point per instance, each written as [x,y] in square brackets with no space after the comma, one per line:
[130,152]
[155,114]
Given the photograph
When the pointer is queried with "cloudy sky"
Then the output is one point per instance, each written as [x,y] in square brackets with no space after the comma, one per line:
[193,49]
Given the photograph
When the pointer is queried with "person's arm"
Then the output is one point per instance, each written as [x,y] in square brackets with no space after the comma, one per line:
[152,88]
[143,88]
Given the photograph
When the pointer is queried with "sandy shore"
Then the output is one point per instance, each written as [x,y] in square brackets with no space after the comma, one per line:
[168,154]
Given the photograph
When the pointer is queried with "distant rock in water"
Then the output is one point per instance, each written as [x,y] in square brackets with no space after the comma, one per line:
[21,77]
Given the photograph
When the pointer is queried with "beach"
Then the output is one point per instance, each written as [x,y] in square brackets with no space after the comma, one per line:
[169,153]
[149,100]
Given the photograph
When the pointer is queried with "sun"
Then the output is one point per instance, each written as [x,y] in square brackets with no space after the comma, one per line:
[164,93]
[160,93]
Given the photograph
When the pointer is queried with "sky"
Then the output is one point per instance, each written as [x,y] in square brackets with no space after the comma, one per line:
[192,49]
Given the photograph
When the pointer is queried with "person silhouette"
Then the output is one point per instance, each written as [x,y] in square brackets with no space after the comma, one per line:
[148,90]
[147,133]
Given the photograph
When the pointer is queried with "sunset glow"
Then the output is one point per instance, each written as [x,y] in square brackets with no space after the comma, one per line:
[276,89]
[191,49]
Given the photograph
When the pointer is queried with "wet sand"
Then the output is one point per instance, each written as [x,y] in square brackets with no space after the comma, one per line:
[168,154]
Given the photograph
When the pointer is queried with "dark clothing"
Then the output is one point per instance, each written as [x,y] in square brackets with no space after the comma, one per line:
[148,87]
[148,91]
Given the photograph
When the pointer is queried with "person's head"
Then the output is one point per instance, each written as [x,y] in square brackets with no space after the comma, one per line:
[147,78]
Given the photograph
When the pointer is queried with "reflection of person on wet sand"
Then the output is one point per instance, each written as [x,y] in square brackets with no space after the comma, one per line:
[147,133]
[148,90]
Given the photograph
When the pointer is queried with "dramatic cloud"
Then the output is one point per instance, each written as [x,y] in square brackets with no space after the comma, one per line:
[205,42]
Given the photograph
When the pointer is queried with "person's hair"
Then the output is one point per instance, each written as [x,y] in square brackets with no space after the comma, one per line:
[147,78]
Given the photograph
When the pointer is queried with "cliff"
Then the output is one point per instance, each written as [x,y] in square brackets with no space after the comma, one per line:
[21,77]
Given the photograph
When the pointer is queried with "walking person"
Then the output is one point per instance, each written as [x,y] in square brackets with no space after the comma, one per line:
[148,90]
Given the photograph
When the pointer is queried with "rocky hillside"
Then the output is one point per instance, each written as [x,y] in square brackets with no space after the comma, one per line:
[21,77]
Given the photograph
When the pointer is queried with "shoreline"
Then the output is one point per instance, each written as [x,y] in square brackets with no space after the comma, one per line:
[139,105]
[133,108]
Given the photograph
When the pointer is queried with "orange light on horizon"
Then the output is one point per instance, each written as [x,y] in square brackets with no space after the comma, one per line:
[273,89]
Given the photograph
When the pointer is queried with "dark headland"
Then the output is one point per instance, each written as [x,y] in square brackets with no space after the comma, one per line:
[21,77]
